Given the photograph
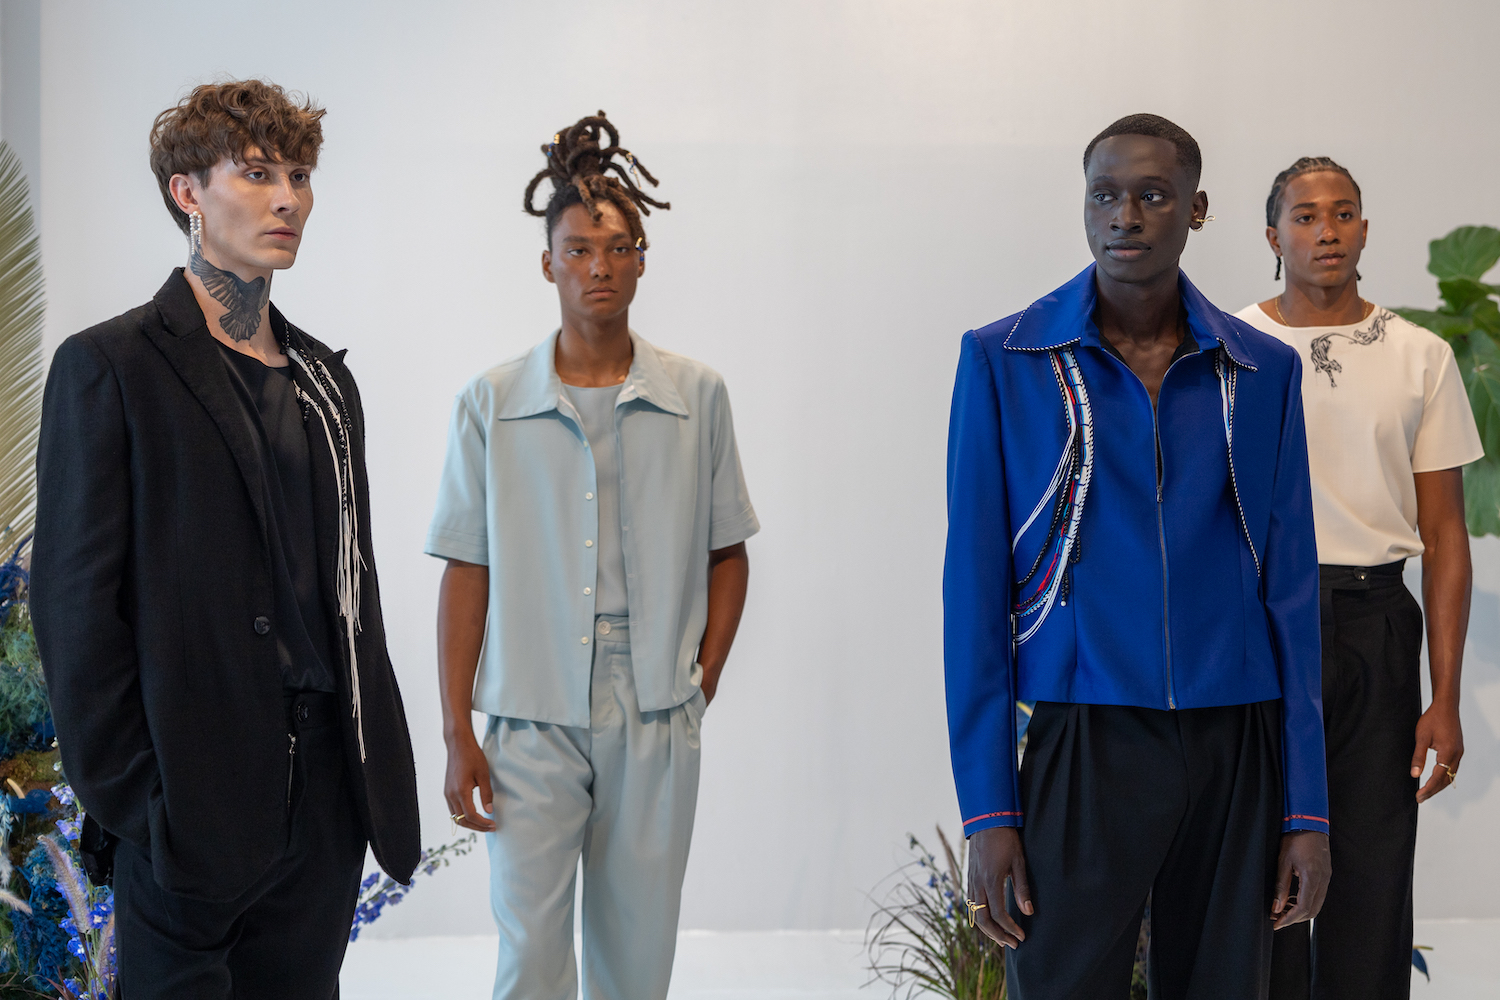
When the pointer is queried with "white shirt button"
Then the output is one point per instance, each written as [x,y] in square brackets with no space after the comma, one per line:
[588,496]
[587,591]
[584,640]
[588,543]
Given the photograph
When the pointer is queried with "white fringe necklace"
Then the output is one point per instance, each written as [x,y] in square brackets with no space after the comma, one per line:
[351,564]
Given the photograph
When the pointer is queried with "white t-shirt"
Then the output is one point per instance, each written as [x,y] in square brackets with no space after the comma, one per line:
[1383,400]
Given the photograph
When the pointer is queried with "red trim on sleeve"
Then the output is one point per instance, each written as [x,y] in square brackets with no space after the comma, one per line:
[976,819]
[1315,819]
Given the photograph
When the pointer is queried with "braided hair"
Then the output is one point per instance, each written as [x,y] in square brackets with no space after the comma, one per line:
[1304,165]
[578,165]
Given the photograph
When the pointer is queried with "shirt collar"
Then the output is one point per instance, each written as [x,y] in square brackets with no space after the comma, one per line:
[1065,316]
[539,389]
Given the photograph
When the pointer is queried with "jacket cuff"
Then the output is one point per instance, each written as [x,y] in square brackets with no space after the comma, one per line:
[1316,824]
[986,820]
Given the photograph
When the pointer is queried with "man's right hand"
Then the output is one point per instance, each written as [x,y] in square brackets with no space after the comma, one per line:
[463,600]
[995,855]
[468,769]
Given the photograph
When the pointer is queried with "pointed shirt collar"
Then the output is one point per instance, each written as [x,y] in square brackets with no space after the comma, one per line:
[1066,316]
[539,389]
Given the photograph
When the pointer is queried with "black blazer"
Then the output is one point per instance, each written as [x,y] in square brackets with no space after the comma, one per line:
[150,574]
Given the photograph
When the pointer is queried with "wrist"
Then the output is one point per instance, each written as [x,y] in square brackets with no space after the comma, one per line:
[1444,700]
[456,733]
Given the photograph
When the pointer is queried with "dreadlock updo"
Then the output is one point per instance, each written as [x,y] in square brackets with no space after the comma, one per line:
[578,165]
[1305,165]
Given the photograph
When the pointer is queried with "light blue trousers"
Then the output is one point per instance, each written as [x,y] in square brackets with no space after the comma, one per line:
[621,794]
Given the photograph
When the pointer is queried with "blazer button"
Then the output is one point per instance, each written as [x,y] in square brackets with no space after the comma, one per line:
[262,625]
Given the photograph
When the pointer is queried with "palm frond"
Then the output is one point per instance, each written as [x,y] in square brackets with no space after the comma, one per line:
[21,318]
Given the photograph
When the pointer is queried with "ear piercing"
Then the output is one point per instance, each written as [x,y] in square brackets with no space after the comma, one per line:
[195,234]
[1202,222]
[640,247]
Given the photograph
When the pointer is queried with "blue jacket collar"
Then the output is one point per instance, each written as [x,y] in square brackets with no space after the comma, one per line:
[539,389]
[1066,316]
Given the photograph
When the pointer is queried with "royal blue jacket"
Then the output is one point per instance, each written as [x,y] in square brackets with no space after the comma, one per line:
[1102,552]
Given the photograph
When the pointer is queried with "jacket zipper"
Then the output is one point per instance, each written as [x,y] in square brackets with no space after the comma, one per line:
[1161,537]
[1161,529]
[291,763]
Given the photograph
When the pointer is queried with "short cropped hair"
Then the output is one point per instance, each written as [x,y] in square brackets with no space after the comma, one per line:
[1157,127]
[219,120]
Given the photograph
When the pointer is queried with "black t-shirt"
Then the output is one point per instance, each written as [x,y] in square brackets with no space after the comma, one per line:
[304,640]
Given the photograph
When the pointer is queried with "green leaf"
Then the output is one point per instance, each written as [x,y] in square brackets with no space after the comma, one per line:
[1486,316]
[1461,293]
[1480,368]
[1443,324]
[1467,252]
[1482,496]
[21,308]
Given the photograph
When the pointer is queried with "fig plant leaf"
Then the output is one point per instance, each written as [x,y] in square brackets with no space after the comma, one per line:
[1469,320]
[1467,252]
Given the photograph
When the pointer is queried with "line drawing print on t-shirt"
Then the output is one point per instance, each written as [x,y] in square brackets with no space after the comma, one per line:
[1319,347]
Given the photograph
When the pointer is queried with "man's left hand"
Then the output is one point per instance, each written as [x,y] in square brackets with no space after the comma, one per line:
[1438,729]
[1304,853]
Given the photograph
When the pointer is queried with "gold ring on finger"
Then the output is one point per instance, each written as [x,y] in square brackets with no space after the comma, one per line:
[973,909]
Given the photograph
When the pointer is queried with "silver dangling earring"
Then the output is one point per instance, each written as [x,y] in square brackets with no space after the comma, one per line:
[195,234]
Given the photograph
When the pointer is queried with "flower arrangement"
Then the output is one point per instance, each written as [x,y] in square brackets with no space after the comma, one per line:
[378,891]
[919,939]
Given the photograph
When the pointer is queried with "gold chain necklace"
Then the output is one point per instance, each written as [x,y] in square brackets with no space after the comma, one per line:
[1369,307]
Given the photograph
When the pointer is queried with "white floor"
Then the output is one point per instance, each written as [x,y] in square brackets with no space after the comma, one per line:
[812,965]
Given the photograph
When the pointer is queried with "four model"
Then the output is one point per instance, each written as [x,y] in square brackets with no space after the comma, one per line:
[1389,427]
[204,589]
[1136,545]
[1130,546]
[594,518]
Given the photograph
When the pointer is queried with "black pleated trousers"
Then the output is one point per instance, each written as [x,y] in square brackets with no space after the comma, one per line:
[1359,948]
[1124,803]
[284,939]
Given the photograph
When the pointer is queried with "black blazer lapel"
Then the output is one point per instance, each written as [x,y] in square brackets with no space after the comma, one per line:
[185,342]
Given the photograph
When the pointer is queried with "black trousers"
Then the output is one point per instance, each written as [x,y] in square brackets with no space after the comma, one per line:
[284,939]
[1124,803]
[1360,944]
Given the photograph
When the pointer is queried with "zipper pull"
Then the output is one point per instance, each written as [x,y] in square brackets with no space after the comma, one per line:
[291,761]
[1158,492]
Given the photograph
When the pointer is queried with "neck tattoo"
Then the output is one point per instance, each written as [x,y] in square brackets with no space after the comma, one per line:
[244,300]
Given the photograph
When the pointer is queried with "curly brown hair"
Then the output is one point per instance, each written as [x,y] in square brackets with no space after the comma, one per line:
[219,120]
[577,163]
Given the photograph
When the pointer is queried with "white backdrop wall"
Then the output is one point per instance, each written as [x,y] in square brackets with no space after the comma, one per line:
[854,184]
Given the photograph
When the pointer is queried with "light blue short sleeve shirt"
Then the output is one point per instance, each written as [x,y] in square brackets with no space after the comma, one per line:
[518,495]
